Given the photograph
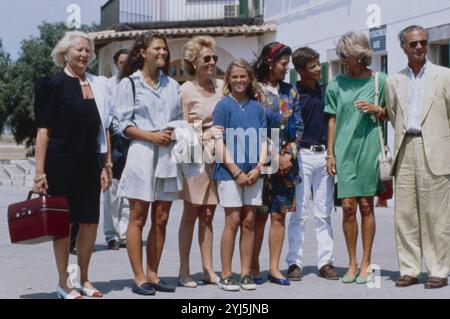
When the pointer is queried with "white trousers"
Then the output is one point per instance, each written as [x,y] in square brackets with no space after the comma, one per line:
[116,213]
[314,178]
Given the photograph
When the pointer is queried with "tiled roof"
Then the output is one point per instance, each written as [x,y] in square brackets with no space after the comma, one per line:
[245,30]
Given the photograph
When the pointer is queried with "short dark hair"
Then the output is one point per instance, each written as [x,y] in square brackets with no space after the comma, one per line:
[119,53]
[302,56]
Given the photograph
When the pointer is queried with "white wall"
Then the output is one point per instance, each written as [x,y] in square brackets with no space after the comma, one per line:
[227,48]
[320,23]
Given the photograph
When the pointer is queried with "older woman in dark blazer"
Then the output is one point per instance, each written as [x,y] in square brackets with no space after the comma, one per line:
[71,116]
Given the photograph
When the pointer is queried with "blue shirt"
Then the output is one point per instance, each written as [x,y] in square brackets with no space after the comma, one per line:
[242,135]
[314,118]
[152,108]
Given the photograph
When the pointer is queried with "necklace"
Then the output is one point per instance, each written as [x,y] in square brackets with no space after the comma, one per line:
[242,105]
[150,81]
[210,87]
[82,83]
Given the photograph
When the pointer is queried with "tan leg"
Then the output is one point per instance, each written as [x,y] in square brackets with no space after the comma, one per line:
[185,233]
[156,238]
[138,217]
[276,238]
[232,222]
[247,240]
[205,240]
[350,227]
[260,226]
[368,228]
[85,246]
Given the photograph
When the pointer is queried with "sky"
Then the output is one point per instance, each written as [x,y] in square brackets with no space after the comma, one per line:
[19,18]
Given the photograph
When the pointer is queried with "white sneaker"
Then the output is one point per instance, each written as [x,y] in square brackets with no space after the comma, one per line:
[229,284]
[247,283]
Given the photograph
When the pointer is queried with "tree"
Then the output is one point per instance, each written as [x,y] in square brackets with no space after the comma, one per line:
[34,61]
[5,65]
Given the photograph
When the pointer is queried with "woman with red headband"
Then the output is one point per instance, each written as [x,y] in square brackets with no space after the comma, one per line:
[281,104]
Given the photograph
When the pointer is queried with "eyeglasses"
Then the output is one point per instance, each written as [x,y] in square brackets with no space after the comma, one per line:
[208,58]
[413,44]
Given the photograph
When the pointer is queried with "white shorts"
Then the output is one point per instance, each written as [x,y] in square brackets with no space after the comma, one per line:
[232,195]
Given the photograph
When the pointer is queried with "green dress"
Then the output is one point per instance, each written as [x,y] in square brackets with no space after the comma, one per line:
[357,145]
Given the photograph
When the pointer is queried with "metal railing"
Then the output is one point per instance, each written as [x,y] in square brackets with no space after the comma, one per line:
[180,12]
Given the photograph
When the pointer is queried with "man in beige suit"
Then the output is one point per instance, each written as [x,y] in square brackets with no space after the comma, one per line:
[418,102]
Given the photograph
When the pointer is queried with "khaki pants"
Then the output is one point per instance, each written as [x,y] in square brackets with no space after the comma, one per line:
[422,213]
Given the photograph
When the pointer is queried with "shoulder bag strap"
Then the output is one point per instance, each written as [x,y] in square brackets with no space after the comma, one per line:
[133,87]
[380,131]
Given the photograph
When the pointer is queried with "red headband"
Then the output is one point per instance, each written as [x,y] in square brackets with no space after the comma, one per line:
[275,49]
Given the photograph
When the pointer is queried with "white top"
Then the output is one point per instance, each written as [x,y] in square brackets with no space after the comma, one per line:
[152,109]
[100,90]
[415,100]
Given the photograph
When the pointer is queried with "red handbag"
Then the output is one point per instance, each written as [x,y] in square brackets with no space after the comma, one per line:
[38,220]
[388,193]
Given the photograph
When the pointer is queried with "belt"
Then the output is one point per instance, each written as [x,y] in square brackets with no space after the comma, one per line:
[416,134]
[314,148]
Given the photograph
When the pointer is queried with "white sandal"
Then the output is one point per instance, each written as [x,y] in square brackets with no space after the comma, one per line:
[90,292]
[62,294]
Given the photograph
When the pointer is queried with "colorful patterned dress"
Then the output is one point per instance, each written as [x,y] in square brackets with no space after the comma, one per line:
[283,112]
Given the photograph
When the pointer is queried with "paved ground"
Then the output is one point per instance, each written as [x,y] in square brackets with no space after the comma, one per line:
[29,271]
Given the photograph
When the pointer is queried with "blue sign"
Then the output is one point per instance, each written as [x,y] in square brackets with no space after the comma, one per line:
[377,37]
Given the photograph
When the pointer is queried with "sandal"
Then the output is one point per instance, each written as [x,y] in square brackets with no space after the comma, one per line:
[435,282]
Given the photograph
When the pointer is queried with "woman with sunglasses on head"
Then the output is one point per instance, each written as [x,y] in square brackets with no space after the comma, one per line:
[199,96]
[143,112]
[281,104]
[354,147]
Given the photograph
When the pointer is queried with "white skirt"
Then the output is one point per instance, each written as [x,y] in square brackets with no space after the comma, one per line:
[138,178]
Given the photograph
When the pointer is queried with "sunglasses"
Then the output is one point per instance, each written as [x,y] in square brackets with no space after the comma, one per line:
[208,58]
[414,44]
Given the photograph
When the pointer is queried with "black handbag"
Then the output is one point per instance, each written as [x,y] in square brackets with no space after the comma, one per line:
[120,145]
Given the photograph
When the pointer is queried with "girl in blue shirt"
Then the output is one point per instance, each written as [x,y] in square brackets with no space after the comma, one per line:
[238,168]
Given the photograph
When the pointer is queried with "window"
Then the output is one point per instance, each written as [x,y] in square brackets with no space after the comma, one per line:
[293,77]
[325,72]
[444,57]
[384,64]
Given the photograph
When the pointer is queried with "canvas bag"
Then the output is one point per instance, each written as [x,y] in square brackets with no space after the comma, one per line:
[385,159]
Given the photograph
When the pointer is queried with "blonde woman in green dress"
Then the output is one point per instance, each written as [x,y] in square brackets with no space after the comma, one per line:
[354,148]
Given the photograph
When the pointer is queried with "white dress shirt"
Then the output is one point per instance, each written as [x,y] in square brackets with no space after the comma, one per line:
[416,90]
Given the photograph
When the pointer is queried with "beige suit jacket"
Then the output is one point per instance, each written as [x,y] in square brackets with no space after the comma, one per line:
[435,116]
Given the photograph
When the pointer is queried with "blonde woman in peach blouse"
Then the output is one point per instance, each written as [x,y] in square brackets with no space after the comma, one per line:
[199,97]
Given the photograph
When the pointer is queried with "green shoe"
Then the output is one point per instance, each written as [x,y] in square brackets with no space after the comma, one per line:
[364,279]
[347,279]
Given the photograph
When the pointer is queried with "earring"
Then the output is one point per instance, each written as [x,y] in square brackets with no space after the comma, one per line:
[359,61]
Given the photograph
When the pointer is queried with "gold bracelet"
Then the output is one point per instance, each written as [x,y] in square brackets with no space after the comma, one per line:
[330,156]
[43,177]
[107,170]
[109,165]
